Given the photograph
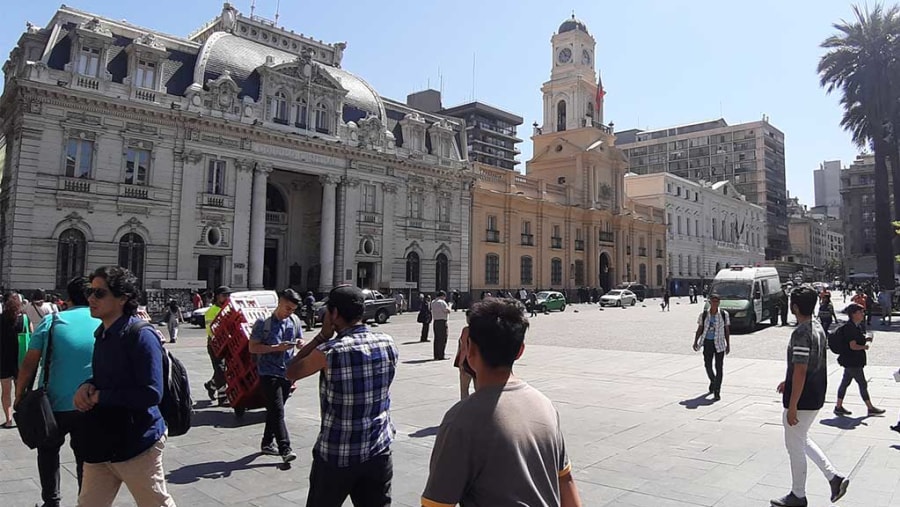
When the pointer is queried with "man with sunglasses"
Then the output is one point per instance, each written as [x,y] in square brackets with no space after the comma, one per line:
[125,432]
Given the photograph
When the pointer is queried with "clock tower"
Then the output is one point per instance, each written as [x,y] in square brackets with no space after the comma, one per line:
[570,96]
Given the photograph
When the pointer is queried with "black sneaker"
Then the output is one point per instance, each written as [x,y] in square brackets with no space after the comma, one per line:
[896,427]
[841,411]
[838,487]
[270,449]
[712,387]
[210,390]
[716,397]
[876,411]
[790,500]
[288,456]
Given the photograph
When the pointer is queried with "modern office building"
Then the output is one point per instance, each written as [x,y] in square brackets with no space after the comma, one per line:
[749,155]
[858,215]
[827,180]
[490,133]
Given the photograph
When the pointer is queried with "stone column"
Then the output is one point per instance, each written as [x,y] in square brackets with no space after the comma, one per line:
[326,234]
[258,225]
[243,195]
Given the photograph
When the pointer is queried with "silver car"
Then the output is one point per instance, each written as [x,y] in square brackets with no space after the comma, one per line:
[618,297]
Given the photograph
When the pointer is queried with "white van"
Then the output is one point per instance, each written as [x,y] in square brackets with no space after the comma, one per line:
[749,295]
[267,299]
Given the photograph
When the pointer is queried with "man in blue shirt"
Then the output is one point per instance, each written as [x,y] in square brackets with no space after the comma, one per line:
[273,341]
[70,365]
[124,430]
[714,326]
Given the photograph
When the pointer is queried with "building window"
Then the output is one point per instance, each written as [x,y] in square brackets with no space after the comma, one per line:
[79,158]
[70,252]
[527,271]
[493,234]
[322,118]
[659,275]
[670,223]
[145,75]
[416,203]
[561,116]
[441,272]
[137,166]
[556,238]
[301,113]
[697,228]
[492,269]
[131,255]
[368,198]
[680,265]
[443,209]
[89,61]
[679,224]
[556,275]
[688,226]
[579,240]
[690,265]
[215,177]
[278,108]
[579,273]
[642,274]
[412,267]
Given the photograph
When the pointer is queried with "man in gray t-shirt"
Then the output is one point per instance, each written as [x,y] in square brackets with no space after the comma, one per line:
[503,445]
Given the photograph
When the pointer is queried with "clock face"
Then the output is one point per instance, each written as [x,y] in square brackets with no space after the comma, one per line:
[565,55]
[586,57]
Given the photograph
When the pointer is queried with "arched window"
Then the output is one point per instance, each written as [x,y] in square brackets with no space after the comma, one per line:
[274,200]
[278,108]
[526,270]
[659,275]
[131,255]
[561,116]
[441,272]
[412,267]
[492,269]
[322,118]
[642,274]
[301,113]
[69,256]
[556,274]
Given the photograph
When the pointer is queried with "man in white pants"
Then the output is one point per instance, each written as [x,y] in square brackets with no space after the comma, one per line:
[803,394]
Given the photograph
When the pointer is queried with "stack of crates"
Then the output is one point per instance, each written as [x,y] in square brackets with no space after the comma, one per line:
[231,341]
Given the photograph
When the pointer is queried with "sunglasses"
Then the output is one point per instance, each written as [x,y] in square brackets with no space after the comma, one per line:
[97,293]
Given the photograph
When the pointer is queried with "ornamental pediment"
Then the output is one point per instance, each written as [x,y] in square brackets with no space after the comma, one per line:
[300,72]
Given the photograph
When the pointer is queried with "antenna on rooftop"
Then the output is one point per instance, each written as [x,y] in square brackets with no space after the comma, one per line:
[252,7]
[277,11]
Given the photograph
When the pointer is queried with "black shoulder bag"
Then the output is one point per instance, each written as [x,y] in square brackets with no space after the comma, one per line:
[34,415]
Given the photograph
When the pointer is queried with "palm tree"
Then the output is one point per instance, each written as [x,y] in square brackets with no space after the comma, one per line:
[861,64]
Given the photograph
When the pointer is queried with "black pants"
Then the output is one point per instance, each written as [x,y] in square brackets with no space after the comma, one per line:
[440,338]
[276,391]
[826,323]
[425,326]
[368,484]
[784,314]
[709,352]
[70,423]
[851,374]
[218,366]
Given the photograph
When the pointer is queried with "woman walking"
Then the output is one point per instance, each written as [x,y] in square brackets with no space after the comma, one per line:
[173,318]
[826,311]
[424,316]
[12,322]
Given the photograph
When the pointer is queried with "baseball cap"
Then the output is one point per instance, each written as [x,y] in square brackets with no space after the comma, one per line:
[853,307]
[348,300]
[291,295]
[715,296]
[222,289]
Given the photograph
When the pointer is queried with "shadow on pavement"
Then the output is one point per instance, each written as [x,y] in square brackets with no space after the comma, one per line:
[845,423]
[700,401]
[216,469]
[424,432]
[418,361]
[226,418]
[413,342]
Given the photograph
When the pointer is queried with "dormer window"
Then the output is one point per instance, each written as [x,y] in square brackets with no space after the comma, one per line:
[322,118]
[301,113]
[145,74]
[278,108]
[88,61]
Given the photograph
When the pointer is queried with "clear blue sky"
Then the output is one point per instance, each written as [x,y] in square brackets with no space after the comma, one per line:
[664,62]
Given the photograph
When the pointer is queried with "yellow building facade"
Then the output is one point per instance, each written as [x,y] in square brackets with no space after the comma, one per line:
[566,223]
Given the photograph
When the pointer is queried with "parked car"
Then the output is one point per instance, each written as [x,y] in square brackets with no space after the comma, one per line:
[318,311]
[618,297]
[550,300]
[264,299]
[639,289]
[378,306]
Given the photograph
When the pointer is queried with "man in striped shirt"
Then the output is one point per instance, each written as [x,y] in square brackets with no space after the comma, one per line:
[803,394]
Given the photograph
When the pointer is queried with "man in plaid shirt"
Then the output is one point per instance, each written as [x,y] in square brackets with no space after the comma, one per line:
[352,455]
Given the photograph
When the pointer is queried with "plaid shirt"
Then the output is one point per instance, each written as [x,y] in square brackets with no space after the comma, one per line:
[354,393]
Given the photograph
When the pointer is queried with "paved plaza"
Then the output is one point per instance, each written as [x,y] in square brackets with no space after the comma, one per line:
[630,395]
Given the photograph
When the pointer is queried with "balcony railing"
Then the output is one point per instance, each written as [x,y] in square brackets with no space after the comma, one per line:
[579,245]
[134,192]
[528,239]
[216,200]
[300,125]
[280,121]
[492,236]
[642,251]
[555,242]
[75,185]
[607,237]
[145,95]
[369,217]
[276,217]
[323,130]
[415,223]
[91,83]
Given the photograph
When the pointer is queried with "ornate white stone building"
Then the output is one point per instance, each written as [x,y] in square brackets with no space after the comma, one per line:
[243,154]
[710,226]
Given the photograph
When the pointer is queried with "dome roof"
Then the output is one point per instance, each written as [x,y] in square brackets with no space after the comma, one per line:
[241,57]
[573,24]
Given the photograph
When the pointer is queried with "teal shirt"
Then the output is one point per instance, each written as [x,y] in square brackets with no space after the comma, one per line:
[73,350]
[711,330]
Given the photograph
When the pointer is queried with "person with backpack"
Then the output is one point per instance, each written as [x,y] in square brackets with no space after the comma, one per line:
[38,308]
[125,432]
[851,344]
[65,342]
[826,311]
[714,326]
[274,340]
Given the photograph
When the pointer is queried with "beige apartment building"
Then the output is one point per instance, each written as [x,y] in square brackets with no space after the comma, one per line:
[566,223]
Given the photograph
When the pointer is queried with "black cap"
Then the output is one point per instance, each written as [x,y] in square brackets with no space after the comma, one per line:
[348,300]
[291,295]
[223,289]
[853,307]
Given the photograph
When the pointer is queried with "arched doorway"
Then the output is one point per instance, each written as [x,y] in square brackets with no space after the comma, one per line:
[442,272]
[561,116]
[605,276]
[276,213]
[131,255]
[70,253]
